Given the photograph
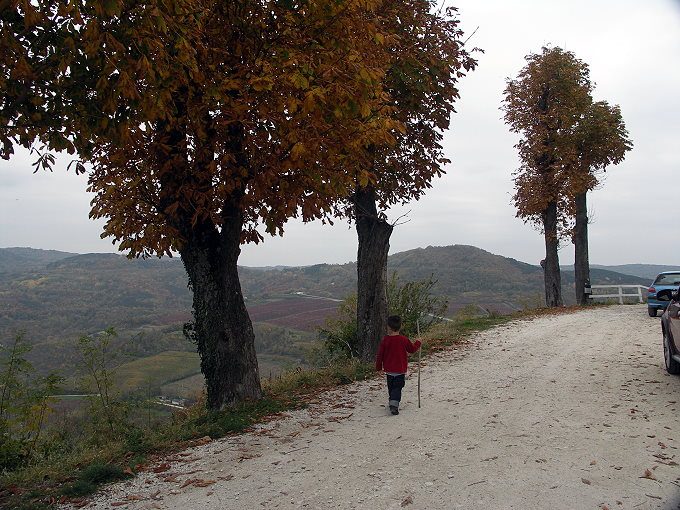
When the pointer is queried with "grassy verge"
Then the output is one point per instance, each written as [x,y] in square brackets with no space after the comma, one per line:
[71,476]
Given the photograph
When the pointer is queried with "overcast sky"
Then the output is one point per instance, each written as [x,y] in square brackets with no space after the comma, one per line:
[633,50]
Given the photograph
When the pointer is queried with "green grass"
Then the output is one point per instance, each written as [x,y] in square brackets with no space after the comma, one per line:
[156,370]
[91,477]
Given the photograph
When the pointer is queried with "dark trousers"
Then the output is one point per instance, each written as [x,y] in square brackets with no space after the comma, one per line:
[394,385]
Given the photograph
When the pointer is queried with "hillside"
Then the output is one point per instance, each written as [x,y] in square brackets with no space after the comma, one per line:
[24,259]
[56,297]
[646,271]
[464,274]
[74,295]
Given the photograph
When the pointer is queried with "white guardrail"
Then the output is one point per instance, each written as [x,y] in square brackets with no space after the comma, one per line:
[620,294]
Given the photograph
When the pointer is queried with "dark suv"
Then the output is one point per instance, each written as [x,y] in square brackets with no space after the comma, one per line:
[659,294]
[670,327]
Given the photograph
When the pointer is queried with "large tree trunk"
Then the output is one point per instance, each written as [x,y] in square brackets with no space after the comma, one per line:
[374,245]
[551,263]
[580,238]
[222,328]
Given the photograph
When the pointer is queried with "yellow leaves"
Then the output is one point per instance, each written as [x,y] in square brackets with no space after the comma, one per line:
[111,7]
[299,80]
[21,70]
[286,104]
[366,109]
[260,83]
[365,178]
[144,66]
[232,84]
[364,74]
[126,87]
[298,150]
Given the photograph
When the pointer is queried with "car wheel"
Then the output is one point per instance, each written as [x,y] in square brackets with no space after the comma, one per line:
[651,311]
[672,366]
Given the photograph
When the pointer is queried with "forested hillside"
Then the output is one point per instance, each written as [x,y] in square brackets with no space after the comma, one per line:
[648,271]
[24,259]
[55,297]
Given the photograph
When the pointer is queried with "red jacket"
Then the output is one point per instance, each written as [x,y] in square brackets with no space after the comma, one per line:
[392,353]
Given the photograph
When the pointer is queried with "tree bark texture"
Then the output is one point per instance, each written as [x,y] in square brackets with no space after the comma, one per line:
[580,238]
[551,264]
[374,244]
[222,328]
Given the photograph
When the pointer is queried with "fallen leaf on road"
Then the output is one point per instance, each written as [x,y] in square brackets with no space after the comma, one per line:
[188,481]
[648,474]
[407,501]
[246,457]
[160,468]
[338,418]
[586,481]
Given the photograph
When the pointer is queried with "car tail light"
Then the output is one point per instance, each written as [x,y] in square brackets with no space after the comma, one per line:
[651,290]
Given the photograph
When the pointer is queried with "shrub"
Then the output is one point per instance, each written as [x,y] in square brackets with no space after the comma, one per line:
[93,476]
[413,301]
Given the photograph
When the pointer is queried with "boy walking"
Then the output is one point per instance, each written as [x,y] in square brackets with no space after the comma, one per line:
[393,359]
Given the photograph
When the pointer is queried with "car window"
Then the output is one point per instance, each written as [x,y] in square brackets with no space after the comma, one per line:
[667,279]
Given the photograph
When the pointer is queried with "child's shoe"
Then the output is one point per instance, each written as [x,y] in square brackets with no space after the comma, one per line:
[394,409]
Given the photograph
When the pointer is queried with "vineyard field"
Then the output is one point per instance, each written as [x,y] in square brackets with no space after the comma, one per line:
[303,314]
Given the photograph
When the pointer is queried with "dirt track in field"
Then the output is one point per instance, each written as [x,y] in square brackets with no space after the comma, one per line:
[571,411]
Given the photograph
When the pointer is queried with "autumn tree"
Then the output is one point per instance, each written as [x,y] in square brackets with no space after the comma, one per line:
[197,121]
[545,103]
[427,58]
[601,140]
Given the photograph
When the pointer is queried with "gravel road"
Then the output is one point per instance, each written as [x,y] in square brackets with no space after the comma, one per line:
[570,411]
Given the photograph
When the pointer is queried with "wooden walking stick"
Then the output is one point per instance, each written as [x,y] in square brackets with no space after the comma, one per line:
[419,351]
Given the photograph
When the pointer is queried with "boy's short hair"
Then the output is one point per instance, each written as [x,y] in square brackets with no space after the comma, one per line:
[394,322]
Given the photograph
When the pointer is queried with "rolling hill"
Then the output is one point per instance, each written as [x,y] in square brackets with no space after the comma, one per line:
[56,297]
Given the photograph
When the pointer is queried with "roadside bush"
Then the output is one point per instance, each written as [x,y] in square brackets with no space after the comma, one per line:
[419,309]
[91,477]
[98,364]
[24,401]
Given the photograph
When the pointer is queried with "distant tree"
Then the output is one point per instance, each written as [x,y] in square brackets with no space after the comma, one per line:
[200,120]
[545,103]
[426,62]
[601,140]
